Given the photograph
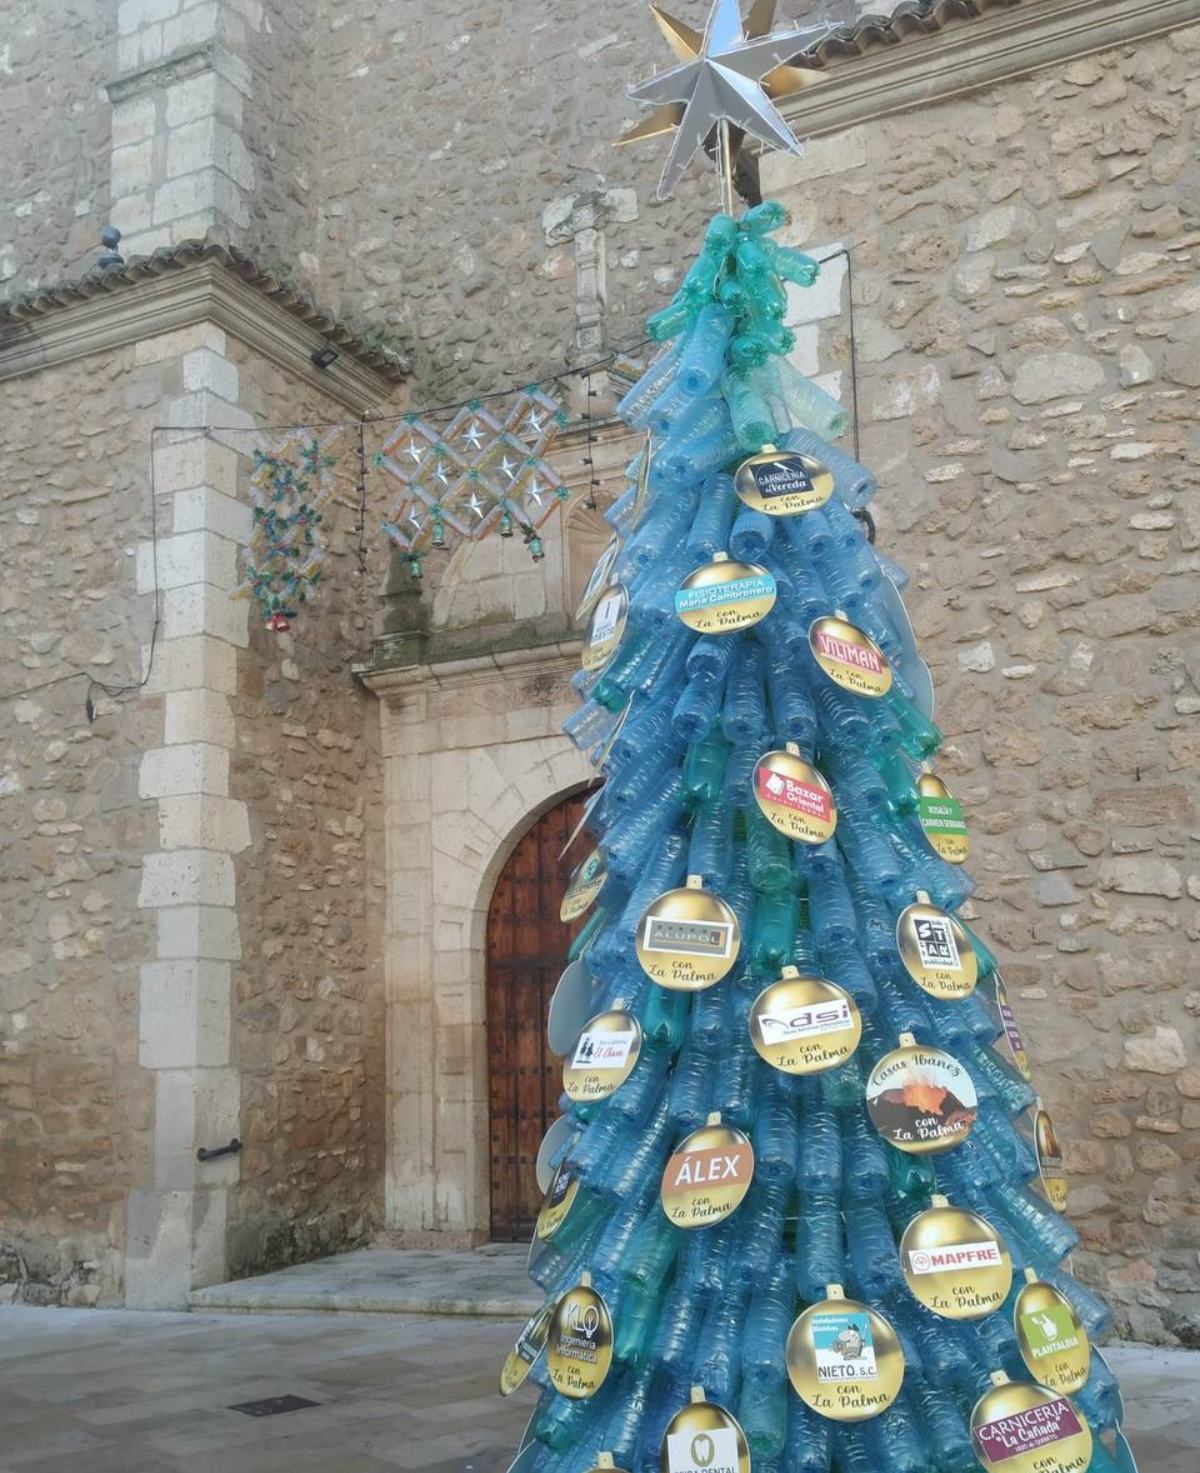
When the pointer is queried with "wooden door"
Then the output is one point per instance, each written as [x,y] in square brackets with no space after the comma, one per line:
[526,953]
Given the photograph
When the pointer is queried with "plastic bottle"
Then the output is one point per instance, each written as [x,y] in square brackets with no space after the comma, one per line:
[716,1365]
[775,1134]
[852,483]
[702,360]
[768,854]
[704,767]
[864,1159]
[793,717]
[744,709]
[819,1158]
[762,1413]
[820,1246]
[751,534]
[809,1444]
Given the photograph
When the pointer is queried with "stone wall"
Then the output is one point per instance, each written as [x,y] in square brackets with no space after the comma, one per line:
[54,188]
[76,1108]
[1028,323]
[308,1024]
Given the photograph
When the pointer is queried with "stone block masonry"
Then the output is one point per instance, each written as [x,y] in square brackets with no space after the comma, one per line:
[1026,286]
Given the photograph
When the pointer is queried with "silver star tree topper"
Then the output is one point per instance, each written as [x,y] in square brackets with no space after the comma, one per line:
[725,79]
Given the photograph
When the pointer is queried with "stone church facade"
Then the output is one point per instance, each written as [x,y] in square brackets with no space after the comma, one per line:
[250,898]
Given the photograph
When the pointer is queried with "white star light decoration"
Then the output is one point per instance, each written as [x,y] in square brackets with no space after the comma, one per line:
[475,475]
[727,75]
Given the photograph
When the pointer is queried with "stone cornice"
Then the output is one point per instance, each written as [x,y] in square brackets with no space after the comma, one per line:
[203,290]
[974,53]
[503,666]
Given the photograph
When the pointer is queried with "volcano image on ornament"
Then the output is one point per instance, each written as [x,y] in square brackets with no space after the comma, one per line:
[921,1103]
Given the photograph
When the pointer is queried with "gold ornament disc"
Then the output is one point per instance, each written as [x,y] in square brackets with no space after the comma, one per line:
[1050,1162]
[936,952]
[579,1349]
[703,1437]
[603,1057]
[707,1176]
[794,797]
[849,657]
[941,820]
[601,577]
[586,882]
[802,1025]
[606,627]
[955,1263]
[845,1360]
[1012,1033]
[529,1345]
[1054,1344]
[688,939]
[557,1203]
[921,1100]
[1018,1428]
[783,482]
[724,596]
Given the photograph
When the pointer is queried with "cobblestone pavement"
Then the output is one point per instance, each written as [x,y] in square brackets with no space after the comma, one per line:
[89,1391]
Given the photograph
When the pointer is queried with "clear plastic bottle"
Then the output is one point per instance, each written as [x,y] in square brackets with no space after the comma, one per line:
[760,1232]
[716,1365]
[702,360]
[773,933]
[809,1445]
[833,921]
[820,1246]
[690,1092]
[852,483]
[711,853]
[864,1159]
[819,1158]
[698,708]
[762,1413]
[895,1441]
[751,534]
[744,710]
[775,1134]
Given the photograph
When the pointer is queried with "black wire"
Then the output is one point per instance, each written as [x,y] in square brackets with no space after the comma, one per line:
[821,260]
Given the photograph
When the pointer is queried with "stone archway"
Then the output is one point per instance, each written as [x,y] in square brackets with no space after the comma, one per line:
[473,755]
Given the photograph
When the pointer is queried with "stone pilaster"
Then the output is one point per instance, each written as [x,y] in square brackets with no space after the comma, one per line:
[180,167]
[176,1224]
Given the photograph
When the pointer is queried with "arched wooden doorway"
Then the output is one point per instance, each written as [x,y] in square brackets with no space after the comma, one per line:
[526,952]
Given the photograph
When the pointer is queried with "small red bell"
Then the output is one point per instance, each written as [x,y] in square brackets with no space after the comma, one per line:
[278,622]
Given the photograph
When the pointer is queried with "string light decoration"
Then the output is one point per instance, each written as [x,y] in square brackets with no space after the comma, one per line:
[475,476]
[290,488]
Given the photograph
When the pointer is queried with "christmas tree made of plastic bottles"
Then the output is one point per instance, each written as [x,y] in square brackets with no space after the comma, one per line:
[797,1220]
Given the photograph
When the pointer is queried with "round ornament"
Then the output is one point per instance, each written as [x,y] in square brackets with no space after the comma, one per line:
[920,1099]
[844,1359]
[794,797]
[707,1176]
[1012,1033]
[688,939]
[941,820]
[936,952]
[601,577]
[554,1144]
[570,1007]
[586,882]
[703,1437]
[579,1347]
[1050,1162]
[783,482]
[557,1203]
[603,1057]
[606,627]
[849,657]
[724,596]
[803,1025]
[1054,1344]
[1019,1428]
[955,1263]
[529,1345]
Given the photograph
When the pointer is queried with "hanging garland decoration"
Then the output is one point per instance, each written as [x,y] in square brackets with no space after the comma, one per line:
[290,488]
[476,475]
